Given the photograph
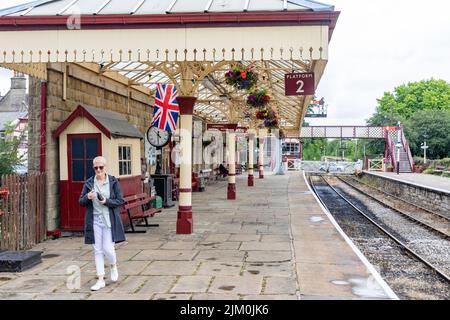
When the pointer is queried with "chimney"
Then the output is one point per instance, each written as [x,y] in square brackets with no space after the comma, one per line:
[18,81]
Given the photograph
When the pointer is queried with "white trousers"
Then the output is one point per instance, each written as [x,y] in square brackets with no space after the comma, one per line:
[103,246]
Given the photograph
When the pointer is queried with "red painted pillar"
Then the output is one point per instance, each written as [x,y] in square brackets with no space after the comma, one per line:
[231,143]
[250,179]
[184,217]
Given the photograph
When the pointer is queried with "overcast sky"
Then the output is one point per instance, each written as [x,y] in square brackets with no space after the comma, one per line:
[376,46]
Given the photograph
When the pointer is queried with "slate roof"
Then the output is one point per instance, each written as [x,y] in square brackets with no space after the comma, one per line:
[136,7]
[111,123]
[115,122]
[6,117]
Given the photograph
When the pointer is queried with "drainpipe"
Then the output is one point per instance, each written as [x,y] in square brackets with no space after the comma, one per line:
[43,140]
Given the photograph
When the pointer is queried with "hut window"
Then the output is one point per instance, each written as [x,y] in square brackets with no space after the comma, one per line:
[124,160]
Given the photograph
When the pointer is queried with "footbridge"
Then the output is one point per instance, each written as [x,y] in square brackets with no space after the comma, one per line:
[393,135]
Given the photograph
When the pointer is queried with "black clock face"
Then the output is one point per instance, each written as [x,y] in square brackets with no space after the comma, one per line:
[158,137]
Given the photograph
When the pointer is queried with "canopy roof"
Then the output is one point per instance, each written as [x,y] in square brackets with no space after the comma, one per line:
[189,43]
[136,7]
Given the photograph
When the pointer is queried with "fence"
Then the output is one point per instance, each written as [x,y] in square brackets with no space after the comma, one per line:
[324,166]
[22,219]
[376,164]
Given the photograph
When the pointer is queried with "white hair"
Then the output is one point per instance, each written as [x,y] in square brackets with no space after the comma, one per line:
[100,159]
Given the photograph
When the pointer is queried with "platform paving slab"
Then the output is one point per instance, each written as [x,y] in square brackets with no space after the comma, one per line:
[118,296]
[276,269]
[280,285]
[221,255]
[166,255]
[171,268]
[242,249]
[271,297]
[220,268]
[130,284]
[265,246]
[171,296]
[33,284]
[191,284]
[268,256]
[157,284]
[62,296]
[16,296]
[213,296]
[237,284]
[227,245]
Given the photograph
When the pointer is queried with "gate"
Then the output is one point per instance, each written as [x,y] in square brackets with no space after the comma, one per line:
[22,218]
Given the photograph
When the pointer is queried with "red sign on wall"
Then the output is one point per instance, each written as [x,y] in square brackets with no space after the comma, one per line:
[299,84]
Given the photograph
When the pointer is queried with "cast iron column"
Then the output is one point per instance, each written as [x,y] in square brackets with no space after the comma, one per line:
[262,135]
[231,142]
[184,218]
[251,137]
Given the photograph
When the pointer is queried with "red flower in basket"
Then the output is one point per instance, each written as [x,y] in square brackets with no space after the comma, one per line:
[262,114]
[243,74]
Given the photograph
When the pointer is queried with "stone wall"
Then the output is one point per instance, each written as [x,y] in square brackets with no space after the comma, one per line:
[34,123]
[84,87]
[433,200]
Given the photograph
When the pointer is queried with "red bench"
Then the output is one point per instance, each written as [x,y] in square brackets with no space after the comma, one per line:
[139,207]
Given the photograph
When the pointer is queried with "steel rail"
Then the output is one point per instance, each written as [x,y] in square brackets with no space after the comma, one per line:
[400,199]
[399,242]
[413,219]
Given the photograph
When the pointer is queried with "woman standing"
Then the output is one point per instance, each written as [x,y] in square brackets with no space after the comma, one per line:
[103,226]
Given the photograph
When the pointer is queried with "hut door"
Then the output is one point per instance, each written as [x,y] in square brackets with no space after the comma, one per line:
[81,149]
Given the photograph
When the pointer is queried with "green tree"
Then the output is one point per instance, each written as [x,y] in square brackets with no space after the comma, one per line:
[9,155]
[312,148]
[414,96]
[432,126]
[412,101]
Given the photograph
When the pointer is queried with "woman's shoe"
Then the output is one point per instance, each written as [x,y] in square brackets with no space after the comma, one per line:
[98,285]
[114,274]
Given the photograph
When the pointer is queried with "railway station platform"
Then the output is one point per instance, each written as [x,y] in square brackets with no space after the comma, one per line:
[274,242]
[427,181]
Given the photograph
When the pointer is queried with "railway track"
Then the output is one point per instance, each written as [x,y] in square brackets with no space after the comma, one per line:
[399,199]
[404,248]
[431,220]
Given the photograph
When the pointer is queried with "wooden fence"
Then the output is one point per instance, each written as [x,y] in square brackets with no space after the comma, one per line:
[22,211]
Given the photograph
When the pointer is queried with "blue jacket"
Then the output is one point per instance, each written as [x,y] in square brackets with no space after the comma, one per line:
[114,202]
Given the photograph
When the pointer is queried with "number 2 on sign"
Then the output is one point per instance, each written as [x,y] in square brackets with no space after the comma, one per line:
[300,84]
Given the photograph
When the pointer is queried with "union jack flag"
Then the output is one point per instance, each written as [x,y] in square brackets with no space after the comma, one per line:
[165,113]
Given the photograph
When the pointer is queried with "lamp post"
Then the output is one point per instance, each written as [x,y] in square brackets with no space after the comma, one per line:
[424,147]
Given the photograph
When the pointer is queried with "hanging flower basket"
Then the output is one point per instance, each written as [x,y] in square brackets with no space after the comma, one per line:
[271,121]
[258,98]
[241,78]
[262,114]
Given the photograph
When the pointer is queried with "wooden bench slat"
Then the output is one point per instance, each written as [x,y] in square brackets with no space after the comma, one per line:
[152,211]
[134,208]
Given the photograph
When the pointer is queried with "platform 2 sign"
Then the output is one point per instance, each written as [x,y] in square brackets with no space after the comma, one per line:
[299,84]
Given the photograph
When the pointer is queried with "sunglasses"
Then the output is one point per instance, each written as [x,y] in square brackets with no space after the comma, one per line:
[99,168]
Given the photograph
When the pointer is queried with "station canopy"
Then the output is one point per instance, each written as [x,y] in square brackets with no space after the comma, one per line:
[189,43]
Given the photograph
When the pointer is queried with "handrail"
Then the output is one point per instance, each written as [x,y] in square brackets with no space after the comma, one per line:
[408,151]
[391,148]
